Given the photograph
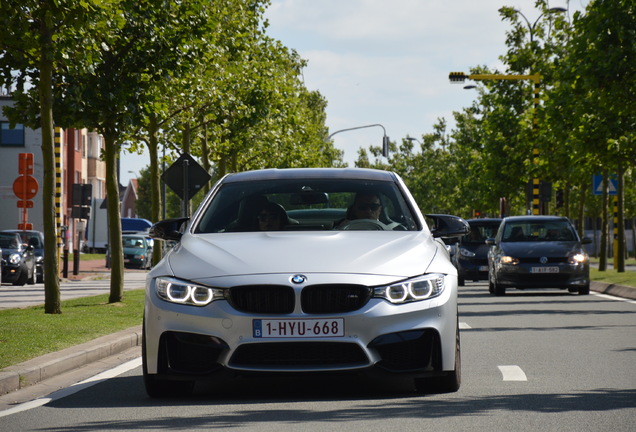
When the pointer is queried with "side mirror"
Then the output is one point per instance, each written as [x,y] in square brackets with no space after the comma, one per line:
[490,241]
[586,240]
[169,229]
[448,226]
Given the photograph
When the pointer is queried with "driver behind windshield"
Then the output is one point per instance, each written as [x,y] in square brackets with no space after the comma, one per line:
[366,205]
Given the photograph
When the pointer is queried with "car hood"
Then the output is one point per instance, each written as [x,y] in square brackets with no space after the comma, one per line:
[539,249]
[396,254]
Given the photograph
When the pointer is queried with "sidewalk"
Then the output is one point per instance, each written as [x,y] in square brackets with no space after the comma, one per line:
[87,269]
[50,365]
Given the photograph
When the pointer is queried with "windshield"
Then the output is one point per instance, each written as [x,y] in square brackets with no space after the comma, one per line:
[479,232]
[133,242]
[530,231]
[305,204]
[9,241]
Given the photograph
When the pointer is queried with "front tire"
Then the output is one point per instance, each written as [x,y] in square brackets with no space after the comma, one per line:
[584,290]
[31,279]
[22,278]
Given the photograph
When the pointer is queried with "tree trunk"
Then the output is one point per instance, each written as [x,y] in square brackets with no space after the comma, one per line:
[581,211]
[111,153]
[153,151]
[52,303]
[205,156]
[602,263]
[620,219]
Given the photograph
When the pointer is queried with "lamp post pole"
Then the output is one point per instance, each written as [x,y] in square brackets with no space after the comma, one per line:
[385,138]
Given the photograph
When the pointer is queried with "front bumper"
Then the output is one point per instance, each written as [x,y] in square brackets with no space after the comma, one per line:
[134,261]
[415,339]
[11,273]
[522,276]
[473,269]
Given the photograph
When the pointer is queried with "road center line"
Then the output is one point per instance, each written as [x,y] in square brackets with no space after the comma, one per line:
[512,373]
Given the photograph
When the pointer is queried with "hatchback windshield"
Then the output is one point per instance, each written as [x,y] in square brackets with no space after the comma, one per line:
[528,231]
[305,204]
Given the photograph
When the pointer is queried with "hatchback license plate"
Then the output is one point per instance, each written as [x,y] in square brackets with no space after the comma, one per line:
[298,328]
[544,270]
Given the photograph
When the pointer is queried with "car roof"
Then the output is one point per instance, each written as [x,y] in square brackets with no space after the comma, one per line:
[310,173]
[538,218]
[484,220]
[24,231]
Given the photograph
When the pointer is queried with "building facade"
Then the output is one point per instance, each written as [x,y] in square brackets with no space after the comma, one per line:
[77,160]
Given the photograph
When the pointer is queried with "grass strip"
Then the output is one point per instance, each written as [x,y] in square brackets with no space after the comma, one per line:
[611,276]
[28,333]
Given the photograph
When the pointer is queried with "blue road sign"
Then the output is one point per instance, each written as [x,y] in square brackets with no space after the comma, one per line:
[597,184]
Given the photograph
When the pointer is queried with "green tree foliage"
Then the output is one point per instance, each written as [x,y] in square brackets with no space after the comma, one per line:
[37,39]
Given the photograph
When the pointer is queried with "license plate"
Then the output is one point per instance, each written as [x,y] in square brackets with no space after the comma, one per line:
[483,268]
[544,270]
[298,328]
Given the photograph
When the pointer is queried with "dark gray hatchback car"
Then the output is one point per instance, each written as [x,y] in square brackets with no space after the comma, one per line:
[537,252]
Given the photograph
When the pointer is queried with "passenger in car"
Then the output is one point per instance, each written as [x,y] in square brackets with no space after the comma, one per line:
[272,217]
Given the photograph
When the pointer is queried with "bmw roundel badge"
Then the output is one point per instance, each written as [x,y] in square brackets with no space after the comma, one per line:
[298,279]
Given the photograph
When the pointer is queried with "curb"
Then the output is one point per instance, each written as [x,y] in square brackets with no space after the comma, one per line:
[615,290]
[41,368]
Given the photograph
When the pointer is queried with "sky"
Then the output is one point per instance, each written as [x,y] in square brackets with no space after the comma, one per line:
[387,62]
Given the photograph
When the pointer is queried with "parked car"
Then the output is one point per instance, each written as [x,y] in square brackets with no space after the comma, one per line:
[137,251]
[35,239]
[538,252]
[324,293]
[471,256]
[18,265]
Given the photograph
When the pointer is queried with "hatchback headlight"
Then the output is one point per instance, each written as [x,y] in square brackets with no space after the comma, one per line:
[15,258]
[184,292]
[509,260]
[578,258]
[416,289]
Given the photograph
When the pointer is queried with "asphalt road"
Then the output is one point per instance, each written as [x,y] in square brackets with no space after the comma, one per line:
[532,360]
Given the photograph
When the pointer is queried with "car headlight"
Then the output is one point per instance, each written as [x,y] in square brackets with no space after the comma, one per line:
[15,258]
[509,260]
[466,253]
[184,292]
[417,289]
[578,258]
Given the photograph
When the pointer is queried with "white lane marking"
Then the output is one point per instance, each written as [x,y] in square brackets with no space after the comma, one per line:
[611,297]
[512,373]
[103,376]
[464,326]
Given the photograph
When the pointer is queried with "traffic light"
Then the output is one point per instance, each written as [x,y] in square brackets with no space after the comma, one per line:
[80,212]
[457,77]
[82,194]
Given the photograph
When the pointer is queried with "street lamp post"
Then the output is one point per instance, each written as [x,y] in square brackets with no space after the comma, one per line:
[385,138]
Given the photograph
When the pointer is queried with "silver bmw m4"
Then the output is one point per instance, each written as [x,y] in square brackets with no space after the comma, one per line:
[311,270]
